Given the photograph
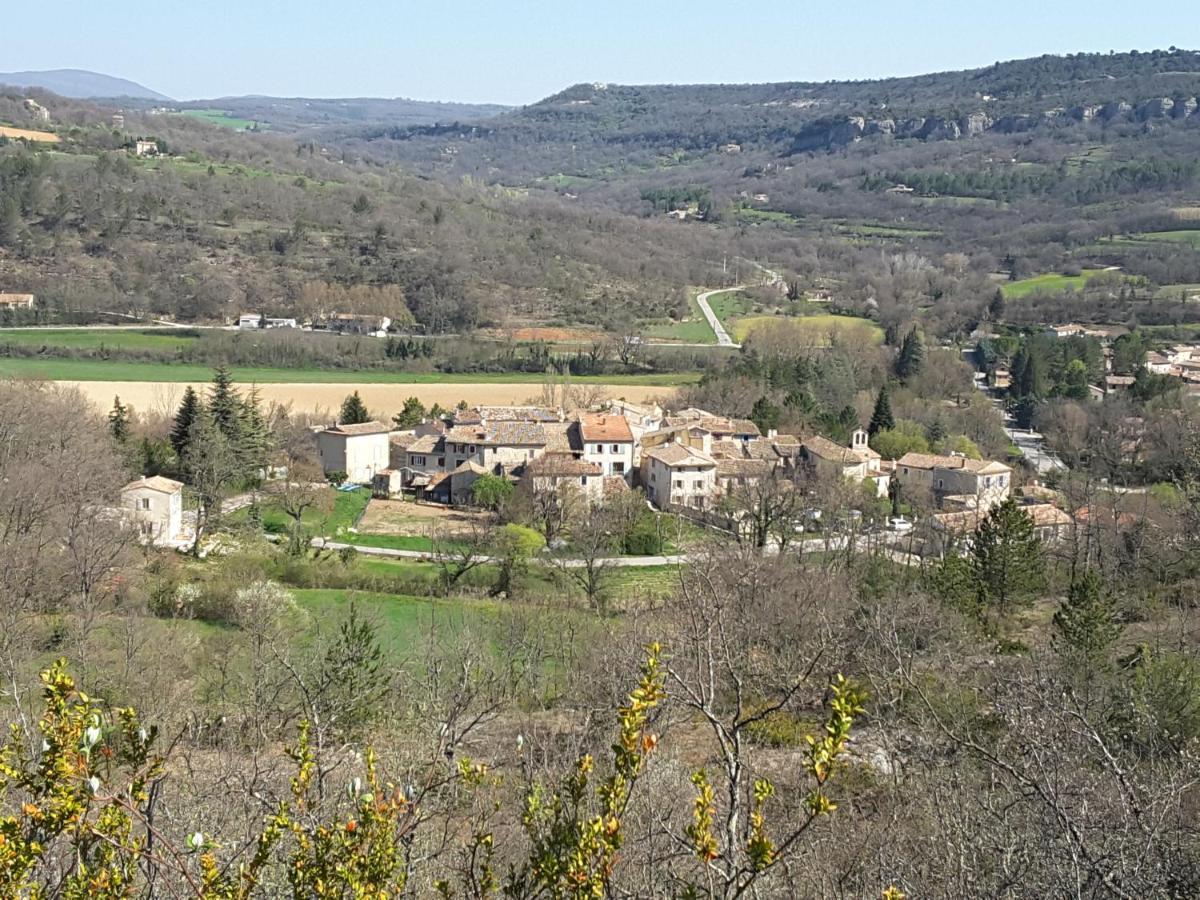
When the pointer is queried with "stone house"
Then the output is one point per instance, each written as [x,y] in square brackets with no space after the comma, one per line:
[607,440]
[676,475]
[358,450]
[954,481]
[155,505]
[827,460]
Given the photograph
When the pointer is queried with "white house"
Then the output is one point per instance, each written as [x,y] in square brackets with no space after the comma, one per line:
[155,505]
[954,480]
[607,441]
[677,475]
[358,450]
[552,470]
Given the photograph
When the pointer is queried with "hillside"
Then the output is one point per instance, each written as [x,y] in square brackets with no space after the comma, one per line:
[81,84]
[300,113]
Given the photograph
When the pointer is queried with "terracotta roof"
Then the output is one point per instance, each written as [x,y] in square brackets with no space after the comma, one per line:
[1043,515]
[615,484]
[469,465]
[555,464]
[935,461]
[678,455]
[371,427]
[605,428]
[155,483]
[402,439]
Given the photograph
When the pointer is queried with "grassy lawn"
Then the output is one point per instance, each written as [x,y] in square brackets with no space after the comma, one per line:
[876,229]
[122,370]
[417,542]
[847,326]
[1049,283]
[100,338]
[347,507]
[754,215]
[729,305]
[692,330]
[220,117]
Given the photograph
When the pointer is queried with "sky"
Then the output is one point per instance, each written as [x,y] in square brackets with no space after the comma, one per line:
[515,53]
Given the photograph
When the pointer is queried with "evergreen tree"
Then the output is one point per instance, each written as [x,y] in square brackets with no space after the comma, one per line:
[912,355]
[935,433]
[1006,559]
[225,405]
[882,418]
[185,418]
[1085,625]
[118,421]
[996,306]
[411,415]
[253,438]
[765,414]
[354,411]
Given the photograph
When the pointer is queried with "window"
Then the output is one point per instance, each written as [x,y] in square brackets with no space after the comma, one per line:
[679,483]
[143,502]
[698,484]
[652,478]
[939,482]
[418,460]
[583,480]
[441,462]
[472,448]
[616,448]
[618,468]
[906,470]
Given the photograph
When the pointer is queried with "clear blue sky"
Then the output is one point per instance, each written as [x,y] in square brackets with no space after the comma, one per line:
[511,52]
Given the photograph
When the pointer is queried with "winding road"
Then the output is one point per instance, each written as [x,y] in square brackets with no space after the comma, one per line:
[723,338]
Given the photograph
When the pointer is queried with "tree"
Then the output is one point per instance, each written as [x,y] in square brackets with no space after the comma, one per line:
[1006,559]
[457,553]
[905,436]
[211,466]
[185,418]
[765,414]
[881,418]
[354,411]
[515,545]
[225,405]
[766,508]
[1085,625]
[911,357]
[304,490]
[1075,383]
[118,421]
[996,306]
[411,415]
[588,560]
[492,492]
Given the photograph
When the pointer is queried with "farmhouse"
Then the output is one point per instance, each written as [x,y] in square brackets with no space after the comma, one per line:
[552,470]
[954,481]
[676,475]
[16,301]
[858,462]
[607,441]
[155,505]
[358,450]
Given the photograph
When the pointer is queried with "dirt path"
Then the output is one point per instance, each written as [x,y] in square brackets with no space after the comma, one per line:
[383,400]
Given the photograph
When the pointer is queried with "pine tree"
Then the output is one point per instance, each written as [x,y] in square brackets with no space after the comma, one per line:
[1006,559]
[1085,625]
[224,404]
[935,433]
[118,421]
[253,438]
[912,355]
[185,418]
[765,414]
[354,411]
[996,306]
[411,415]
[882,418]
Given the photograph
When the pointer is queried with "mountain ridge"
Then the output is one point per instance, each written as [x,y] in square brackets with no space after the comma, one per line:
[81,84]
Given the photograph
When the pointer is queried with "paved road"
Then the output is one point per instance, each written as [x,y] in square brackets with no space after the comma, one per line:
[723,338]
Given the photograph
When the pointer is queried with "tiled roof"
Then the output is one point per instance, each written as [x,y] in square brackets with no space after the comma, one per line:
[615,484]
[605,427]
[743,468]
[361,428]
[402,439]
[155,483]
[824,448]
[935,461]
[499,434]
[518,414]
[1043,515]
[678,455]
[429,443]
[561,464]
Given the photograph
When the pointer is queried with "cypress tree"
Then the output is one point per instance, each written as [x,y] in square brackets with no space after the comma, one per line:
[1086,624]
[1006,559]
[185,418]
[882,418]
[253,439]
[354,411]
[118,421]
[912,355]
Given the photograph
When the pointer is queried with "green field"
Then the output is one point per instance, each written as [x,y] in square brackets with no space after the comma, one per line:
[220,117]
[1049,283]
[880,230]
[1184,236]
[729,306]
[345,512]
[100,338]
[693,330]
[817,325]
[121,370]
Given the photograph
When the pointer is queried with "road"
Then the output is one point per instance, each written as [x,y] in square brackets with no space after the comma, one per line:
[723,338]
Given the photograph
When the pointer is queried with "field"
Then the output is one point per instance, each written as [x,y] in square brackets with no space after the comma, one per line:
[100,338]
[324,399]
[813,325]
[221,117]
[46,137]
[1185,236]
[1049,283]
[692,330]
[557,335]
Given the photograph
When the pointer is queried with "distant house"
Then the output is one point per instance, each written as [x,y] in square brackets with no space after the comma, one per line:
[358,450]
[253,321]
[16,301]
[352,323]
[550,471]
[145,147]
[676,475]
[608,442]
[386,484]
[858,462]
[155,505]
[1116,383]
[954,530]
[641,417]
[955,481]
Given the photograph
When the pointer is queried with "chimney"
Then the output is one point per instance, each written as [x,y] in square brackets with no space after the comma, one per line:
[772,432]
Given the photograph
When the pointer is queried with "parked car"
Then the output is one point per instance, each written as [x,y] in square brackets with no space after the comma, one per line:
[899,525]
